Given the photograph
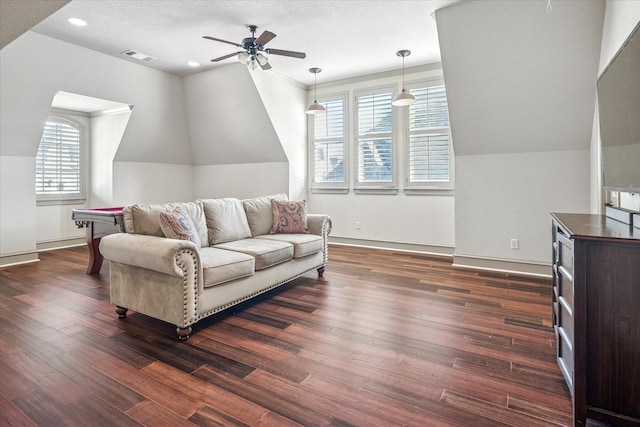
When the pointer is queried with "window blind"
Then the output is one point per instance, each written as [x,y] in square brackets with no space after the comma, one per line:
[58,168]
[375,148]
[329,133]
[429,154]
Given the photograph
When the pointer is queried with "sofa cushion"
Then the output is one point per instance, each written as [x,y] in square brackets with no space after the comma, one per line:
[226,220]
[303,244]
[177,224]
[145,219]
[221,266]
[289,217]
[259,213]
[265,252]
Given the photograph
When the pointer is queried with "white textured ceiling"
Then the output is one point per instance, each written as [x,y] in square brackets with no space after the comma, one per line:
[345,38]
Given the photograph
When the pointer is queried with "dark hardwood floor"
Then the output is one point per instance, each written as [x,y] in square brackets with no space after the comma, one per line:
[384,338]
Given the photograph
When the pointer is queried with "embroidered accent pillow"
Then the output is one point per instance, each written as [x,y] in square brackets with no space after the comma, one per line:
[177,224]
[289,217]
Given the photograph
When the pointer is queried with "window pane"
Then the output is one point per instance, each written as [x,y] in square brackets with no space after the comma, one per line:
[429,158]
[375,160]
[329,162]
[328,142]
[375,114]
[330,124]
[430,110]
[375,147]
[58,159]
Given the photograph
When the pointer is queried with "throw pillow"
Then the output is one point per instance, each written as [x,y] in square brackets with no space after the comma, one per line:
[259,214]
[289,217]
[177,224]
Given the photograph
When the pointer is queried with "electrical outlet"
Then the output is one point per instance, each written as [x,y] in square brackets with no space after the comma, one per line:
[357,225]
[515,243]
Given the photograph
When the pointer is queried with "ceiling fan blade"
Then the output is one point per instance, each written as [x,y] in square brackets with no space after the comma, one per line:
[265,38]
[220,40]
[266,66]
[227,56]
[291,53]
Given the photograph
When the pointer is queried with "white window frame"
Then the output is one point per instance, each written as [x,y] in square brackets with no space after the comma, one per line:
[375,187]
[66,197]
[432,186]
[329,186]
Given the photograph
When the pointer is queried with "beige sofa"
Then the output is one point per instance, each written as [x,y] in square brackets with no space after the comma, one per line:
[237,258]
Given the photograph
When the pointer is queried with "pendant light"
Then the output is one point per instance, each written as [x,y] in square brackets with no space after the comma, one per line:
[315,108]
[404,97]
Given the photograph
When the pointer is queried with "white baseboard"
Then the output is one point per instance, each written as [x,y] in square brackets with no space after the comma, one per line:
[529,268]
[16,259]
[395,246]
[51,245]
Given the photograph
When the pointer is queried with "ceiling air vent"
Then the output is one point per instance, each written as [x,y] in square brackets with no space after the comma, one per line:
[138,55]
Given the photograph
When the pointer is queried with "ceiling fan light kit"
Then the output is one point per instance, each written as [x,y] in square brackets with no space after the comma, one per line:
[253,47]
[315,108]
[403,98]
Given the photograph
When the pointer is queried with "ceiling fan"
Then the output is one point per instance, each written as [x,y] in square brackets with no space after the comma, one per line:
[253,48]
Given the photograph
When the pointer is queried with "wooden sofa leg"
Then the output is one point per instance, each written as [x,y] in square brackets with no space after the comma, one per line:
[320,271]
[122,312]
[183,333]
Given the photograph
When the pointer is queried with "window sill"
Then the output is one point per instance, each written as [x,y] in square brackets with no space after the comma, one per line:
[376,190]
[335,190]
[56,202]
[433,191]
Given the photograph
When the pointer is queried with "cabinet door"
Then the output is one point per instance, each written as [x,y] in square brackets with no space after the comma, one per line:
[613,331]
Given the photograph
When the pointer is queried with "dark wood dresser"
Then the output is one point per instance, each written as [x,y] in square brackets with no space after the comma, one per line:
[596,316]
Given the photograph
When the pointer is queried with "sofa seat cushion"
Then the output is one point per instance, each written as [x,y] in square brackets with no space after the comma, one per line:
[221,266]
[303,244]
[265,252]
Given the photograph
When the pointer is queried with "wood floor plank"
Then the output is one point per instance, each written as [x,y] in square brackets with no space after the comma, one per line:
[149,387]
[383,338]
[150,413]
[217,398]
[10,415]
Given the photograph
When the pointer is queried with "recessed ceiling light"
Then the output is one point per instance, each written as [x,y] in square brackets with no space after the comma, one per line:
[193,64]
[77,21]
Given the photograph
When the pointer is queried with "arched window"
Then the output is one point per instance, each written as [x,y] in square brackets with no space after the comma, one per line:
[59,162]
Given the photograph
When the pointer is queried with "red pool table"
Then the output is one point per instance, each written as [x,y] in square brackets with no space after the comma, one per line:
[98,222]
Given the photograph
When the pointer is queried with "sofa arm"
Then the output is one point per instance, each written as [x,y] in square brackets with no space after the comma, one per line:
[151,252]
[319,224]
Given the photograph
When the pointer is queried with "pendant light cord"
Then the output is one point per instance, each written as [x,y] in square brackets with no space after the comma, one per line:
[403,73]
[315,88]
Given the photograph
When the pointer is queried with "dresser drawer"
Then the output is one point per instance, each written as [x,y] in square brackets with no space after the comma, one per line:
[564,253]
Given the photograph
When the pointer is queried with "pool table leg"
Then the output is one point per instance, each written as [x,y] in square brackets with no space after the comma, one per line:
[95,257]
[93,243]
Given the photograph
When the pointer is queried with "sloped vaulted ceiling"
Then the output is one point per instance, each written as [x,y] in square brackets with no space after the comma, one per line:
[227,121]
[519,78]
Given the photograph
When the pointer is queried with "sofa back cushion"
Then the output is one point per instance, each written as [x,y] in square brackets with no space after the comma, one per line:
[145,219]
[259,213]
[226,220]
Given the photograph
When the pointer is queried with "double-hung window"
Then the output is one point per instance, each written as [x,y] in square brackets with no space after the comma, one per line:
[374,140]
[429,147]
[59,162]
[329,163]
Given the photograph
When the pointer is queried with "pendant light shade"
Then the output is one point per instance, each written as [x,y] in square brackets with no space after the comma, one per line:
[404,97]
[315,108]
